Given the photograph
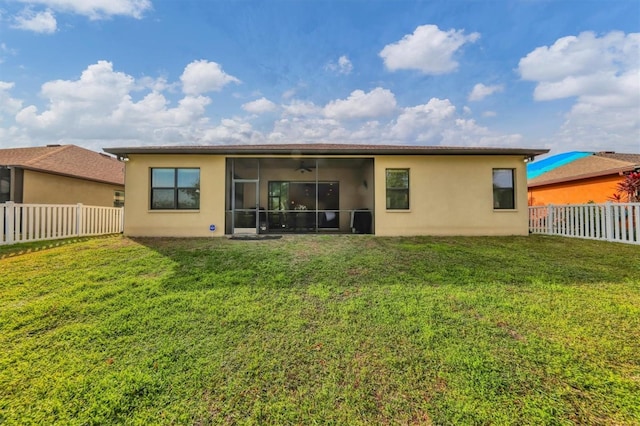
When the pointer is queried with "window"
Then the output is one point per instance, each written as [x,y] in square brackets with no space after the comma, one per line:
[5,184]
[175,189]
[503,189]
[302,196]
[397,189]
[118,198]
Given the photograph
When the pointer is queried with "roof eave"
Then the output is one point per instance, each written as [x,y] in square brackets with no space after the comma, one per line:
[323,150]
[35,169]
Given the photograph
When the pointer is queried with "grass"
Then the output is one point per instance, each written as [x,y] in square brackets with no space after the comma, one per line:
[320,330]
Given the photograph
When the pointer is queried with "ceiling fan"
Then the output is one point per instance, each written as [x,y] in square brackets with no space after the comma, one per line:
[304,168]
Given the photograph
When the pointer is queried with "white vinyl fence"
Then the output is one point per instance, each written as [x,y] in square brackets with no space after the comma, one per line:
[619,222]
[34,222]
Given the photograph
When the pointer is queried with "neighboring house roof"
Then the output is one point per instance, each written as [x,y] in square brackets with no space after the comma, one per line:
[66,160]
[325,149]
[594,165]
[631,158]
[545,165]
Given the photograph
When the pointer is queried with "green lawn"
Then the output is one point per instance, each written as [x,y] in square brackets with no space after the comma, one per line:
[320,330]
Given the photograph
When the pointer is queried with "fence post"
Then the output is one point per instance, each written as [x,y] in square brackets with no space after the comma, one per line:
[79,224]
[121,220]
[9,220]
[550,219]
[608,220]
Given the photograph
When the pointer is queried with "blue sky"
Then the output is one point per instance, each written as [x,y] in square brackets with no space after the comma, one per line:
[563,75]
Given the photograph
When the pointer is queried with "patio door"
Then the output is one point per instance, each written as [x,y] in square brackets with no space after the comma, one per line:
[245,206]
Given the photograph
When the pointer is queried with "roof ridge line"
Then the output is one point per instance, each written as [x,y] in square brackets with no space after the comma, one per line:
[48,154]
[616,160]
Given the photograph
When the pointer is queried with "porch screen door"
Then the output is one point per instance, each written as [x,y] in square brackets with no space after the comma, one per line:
[245,206]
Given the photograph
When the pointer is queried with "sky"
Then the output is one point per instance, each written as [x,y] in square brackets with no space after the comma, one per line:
[562,75]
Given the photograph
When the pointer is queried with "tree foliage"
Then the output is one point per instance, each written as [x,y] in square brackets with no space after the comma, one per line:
[629,189]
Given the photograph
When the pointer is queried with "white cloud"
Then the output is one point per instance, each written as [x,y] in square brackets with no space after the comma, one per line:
[591,127]
[259,106]
[288,94]
[301,108]
[232,131]
[581,55]
[422,122]
[203,76]
[5,50]
[98,91]
[438,123]
[39,22]
[603,75]
[428,49]
[8,104]
[434,123]
[489,114]
[303,129]
[98,109]
[602,70]
[96,9]
[602,88]
[158,84]
[344,65]
[469,133]
[480,91]
[378,102]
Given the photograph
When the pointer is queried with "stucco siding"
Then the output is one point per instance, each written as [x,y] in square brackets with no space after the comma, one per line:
[451,195]
[140,220]
[46,188]
[597,190]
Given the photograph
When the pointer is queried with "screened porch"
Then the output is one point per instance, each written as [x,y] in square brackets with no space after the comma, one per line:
[299,195]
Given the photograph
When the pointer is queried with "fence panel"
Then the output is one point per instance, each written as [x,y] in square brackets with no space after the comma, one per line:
[34,222]
[618,222]
[4,212]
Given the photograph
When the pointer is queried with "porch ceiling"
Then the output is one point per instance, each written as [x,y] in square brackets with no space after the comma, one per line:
[294,163]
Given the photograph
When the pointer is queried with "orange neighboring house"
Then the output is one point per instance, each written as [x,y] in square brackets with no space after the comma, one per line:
[60,174]
[581,178]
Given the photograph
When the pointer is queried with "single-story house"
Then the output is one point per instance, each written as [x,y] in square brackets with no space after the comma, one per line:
[60,174]
[578,177]
[325,188]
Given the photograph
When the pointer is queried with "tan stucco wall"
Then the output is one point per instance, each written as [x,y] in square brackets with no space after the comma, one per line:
[598,190]
[451,195]
[46,188]
[140,220]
